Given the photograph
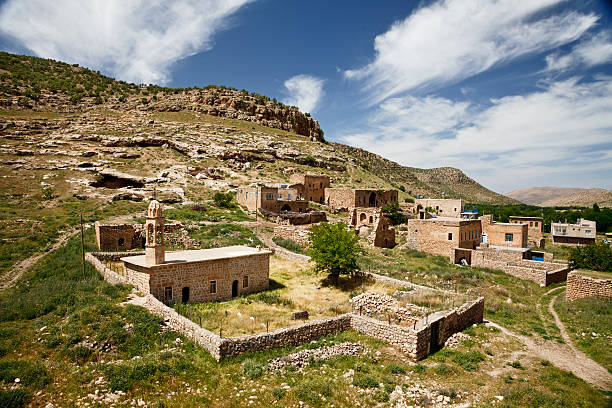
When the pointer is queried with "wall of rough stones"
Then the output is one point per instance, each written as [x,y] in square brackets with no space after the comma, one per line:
[139,280]
[296,234]
[511,262]
[432,235]
[444,206]
[581,286]
[496,232]
[415,343]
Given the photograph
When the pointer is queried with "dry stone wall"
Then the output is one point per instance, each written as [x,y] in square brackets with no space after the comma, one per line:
[415,342]
[581,286]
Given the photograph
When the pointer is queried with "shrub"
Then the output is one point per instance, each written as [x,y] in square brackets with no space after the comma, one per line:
[365,382]
[252,368]
[597,256]
[312,389]
[396,369]
[392,211]
[516,364]
[224,200]
[288,244]
[278,393]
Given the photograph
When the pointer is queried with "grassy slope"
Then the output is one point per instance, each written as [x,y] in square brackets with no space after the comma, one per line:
[150,364]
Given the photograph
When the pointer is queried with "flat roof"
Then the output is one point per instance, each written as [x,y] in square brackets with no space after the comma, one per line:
[527,218]
[197,255]
[450,219]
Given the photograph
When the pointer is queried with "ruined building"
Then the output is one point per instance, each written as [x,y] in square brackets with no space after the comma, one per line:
[310,187]
[344,198]
[194,275]
[370,223]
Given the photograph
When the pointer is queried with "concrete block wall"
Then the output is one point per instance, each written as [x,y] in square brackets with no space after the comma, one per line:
[581,286]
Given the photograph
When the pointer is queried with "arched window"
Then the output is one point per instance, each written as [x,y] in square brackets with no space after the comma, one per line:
[362,217]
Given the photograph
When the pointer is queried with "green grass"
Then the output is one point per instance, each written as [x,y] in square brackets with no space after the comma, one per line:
[207,212]
[288,244]
[218,235]
[520,314]
[587,316]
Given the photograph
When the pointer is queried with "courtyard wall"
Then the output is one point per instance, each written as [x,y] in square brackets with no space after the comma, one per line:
[581,286]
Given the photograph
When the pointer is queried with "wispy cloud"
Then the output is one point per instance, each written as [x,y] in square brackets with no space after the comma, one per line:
[134,40]
[562,132]
[304,91]
[594,51]
[451,40]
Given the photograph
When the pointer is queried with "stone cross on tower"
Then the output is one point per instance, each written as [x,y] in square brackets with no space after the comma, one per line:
[154,227]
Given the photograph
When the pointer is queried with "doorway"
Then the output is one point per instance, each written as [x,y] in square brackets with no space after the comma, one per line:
[235,288]
[483,238]
[433,340]
[185,294]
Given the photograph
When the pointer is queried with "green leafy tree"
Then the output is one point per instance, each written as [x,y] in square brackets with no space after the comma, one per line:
[597,256]
[392,211]
[334,249]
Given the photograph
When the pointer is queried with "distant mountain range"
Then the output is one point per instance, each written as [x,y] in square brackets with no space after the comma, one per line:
[563,197]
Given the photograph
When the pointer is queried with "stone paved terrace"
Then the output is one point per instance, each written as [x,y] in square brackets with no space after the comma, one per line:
[210,254]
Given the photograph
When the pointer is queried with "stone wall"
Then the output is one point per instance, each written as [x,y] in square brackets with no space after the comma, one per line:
[298,235]
[344,198]
[293,336]
[416,342]
[511,262]
[124,237]
[581,286]
[139,280]
[311,187]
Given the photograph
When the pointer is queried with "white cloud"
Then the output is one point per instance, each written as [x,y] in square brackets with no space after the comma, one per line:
[305,92]
[594,51]
[134,40]
[562,133]
[454,39]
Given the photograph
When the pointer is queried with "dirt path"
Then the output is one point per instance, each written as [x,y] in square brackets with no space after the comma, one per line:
[564,356]
[12,276]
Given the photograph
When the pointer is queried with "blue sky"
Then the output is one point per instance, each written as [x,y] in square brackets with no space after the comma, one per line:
[516,93]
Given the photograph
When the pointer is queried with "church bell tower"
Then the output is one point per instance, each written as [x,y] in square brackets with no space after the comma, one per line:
[154,247]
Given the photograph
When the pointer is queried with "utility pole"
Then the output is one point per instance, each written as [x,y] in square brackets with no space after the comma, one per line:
[82,247]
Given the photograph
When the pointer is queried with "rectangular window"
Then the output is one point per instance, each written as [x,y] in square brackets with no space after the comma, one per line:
[280,196]
[245,281]
[509,237]
[288,196]
[247,195]
[168,293]
[213,287]
[450,236]
[269,196]
[536,223]
[588,232]
[531,223]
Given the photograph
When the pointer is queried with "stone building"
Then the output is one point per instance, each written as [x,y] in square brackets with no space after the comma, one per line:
[534,229]
[503,233]
[310,187]
[274,199]
[194,275]
[581,233]
[118,237]
[125,237]
[440,235]
[442,206]
[370,223]
[345,198]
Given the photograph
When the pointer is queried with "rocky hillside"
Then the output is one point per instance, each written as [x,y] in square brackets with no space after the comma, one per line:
[563,197]
[47,85]
[75,132]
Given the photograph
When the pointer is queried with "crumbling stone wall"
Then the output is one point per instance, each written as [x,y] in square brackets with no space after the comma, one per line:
[295,218]
[298,235]
[342,198]
[311,187]
[581,286]
[130,277]
[125,237]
